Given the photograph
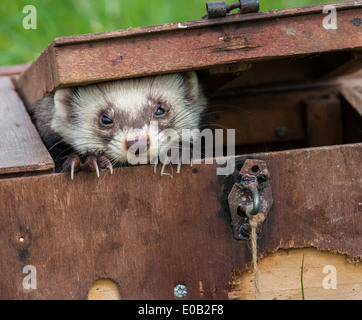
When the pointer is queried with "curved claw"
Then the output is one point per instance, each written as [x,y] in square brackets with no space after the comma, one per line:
[109,166]
[95,164]
[104,162]
[163,173]
[72,166]
[89,162]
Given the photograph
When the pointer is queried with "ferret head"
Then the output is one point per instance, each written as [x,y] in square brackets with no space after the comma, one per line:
[109,118]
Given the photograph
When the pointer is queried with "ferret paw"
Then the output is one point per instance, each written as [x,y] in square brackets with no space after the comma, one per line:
[188,160]
[75,163]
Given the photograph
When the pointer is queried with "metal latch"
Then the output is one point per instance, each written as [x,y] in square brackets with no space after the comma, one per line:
[218,9]
[254,191]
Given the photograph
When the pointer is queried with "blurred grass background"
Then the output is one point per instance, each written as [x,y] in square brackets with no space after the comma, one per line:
[70,17]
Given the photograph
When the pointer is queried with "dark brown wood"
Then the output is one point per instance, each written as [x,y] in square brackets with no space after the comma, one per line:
[257,119]
[149,233]
[348,67]
[138,52]
[324,120]
[354,97]
[317,200]
[22,149]
[352,113]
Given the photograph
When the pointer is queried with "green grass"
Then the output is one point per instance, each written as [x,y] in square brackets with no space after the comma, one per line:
[69,17]
[301,279]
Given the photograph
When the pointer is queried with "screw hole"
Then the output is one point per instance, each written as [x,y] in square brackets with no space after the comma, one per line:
[255,169]
[240,212]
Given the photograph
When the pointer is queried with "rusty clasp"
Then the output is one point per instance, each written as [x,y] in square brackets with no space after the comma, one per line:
[254,191]
[250,184]
[219,9]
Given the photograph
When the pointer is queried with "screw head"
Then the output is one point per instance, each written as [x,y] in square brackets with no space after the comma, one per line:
[180,291]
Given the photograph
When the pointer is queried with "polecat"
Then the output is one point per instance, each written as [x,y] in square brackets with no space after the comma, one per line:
[95,126]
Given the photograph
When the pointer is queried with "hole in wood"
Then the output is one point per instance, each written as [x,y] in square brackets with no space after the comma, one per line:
[255,169]
[22,240]
[104,289]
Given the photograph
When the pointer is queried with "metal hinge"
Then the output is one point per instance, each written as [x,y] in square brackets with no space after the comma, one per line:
[254,191]
[218,9]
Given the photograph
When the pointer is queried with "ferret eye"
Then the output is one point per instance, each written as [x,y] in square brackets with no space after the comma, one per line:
[160,111]
[106,121]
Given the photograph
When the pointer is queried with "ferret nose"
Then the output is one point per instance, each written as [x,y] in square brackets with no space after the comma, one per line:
[143,144]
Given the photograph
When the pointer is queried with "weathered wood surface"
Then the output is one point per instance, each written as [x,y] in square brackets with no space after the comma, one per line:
[21,148]
[149,234]
[84,59]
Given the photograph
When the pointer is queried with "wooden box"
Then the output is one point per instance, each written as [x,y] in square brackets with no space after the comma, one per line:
[292,90]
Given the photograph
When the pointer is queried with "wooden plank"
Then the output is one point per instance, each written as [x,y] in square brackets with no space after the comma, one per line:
[316,200]
[139,52]
[22,149]
[38,79]
[149,233]
[324,121]
[231,18]
[326,276]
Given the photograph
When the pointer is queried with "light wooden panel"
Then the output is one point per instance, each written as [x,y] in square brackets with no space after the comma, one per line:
[325,276]
[21,148]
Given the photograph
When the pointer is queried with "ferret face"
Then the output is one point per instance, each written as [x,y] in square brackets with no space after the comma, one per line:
[115,117]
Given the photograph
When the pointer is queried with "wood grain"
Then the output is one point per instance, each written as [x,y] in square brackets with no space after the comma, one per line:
[149,234]
[281,272]
[22,149]
[81,60]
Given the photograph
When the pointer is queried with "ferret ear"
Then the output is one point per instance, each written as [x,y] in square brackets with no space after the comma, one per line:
[63,106]
[191,83]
